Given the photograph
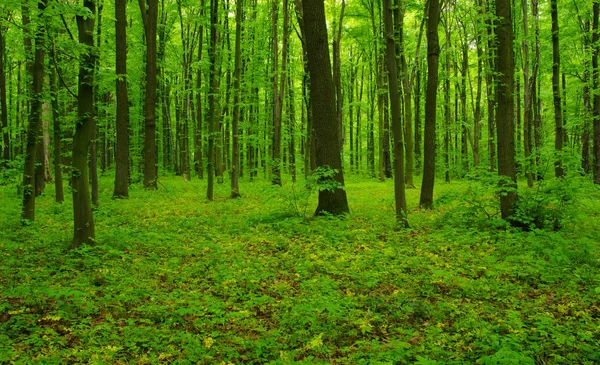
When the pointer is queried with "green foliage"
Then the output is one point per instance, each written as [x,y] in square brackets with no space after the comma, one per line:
[176,279]
[321,179]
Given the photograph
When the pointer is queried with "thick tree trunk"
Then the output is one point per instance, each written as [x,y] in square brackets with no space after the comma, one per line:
[505,109]
[433,54]
[558,115]
[84,232]
[121,189]
[399,183]
[149,10]
[327,154]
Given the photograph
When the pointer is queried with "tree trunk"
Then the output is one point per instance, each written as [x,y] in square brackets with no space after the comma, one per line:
[337,78]
[505,109]
[198,139]
[212,95]
[121,189]
[277,98]
[235,162]
[58,181]
[527,98]
[322,91]
[36,70]
[149,10]
[84,232]
[3,107]
[433,54]
[399,183]
[596,84]
[558,115]
[408,141]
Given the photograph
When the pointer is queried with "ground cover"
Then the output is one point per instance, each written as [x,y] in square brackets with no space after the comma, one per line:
[177,279]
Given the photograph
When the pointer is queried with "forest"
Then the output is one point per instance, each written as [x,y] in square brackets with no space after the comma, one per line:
[299,182]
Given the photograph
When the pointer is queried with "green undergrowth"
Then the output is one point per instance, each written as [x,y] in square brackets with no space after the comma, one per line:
[176,279]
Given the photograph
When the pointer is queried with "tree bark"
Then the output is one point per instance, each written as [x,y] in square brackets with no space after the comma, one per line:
[121,189]
[399,183]
[527,98]
[558,115]
[84,230]
[505,109]
[149,10]
[327,154]
[198,138]
[57,135]
[433,54]
[212,95]
[3,105]
[596,84]
[36,70]
[237,73]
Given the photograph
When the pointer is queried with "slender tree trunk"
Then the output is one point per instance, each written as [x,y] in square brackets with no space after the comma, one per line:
[505,108]
[527,98]
[399,183]
[121,189]
[447,106]
[408,141]
[96,99]
[3,105]
[212,95]
[36,70]
[596,84]
[477,112]
[490,83]
[235,163]
[84,231]
[558,115]
[535,93]
[58,181]
[327,154]
[433,54]
[198,138]
[337,78]
[418,137]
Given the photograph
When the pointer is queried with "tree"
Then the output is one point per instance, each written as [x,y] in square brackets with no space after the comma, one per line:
[58,181]
[393,85]
[596,85]
[527,99]
[322,93]
[558,114]
[505,116]
[84,232]
[235,160]
[36,70]
[212,96]
[433,54]
[149,10]
[3,105]
[121,189]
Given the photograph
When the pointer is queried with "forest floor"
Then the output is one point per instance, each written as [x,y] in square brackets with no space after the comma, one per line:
[177,279]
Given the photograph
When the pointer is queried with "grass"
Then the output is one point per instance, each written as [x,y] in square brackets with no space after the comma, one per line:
[177,279]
